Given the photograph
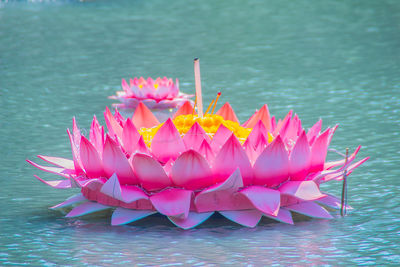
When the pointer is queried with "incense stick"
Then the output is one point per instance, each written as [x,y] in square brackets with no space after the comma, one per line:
[198,87]
[344,188]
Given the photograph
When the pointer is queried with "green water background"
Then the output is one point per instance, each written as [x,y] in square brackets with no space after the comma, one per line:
[335,60]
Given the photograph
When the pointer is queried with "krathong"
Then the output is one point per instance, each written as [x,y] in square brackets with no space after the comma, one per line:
[161,93]
[196,164]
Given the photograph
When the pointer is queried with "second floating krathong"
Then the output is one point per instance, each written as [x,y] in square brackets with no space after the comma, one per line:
[161,93]
[196,164]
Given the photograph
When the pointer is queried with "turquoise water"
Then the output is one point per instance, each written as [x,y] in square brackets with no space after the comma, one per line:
[335,60]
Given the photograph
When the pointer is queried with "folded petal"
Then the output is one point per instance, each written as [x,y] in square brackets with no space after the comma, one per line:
[226,111]
[263,115]
[283,216]
[331,202]
[272,166]
[55,170]
[75,154]
[305,190]
[220,138]
[60,162]
[284,125]
[124,216]
[143,117]
[125,193]
[314,131]
[130,136]
[90,159]
[310,209]
[193,219]
[231,156]
[97,135]
[172,202]
[70,201]
[86,208]
[264,199]
[248,218]
[299,162]
[191,171]
[113,126]
[167,142]
[319,150]
[59,184]
[206,151]
[150,172]
[115,161]
[195,137]
[185,109]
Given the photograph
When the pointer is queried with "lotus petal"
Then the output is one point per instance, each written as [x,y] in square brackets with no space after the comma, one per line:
[150,172]
[130,136]
[90,159]
[167,143]
[125,193]
[115,161]
[318,152]
[305,190]
[195,137]
[193,219]
[75,154]
[143,117]
[191,171]
[284,125]
[263,115]
[299,162]
[59,171]
[86,208]
[313,132]
[76,133]
[310,209]
[248,218]
[338,175]
[258,134]
[59,162]
[141,147]
[185,109]
[126,87]
[206,151]
[220,138]
[172,202]
[124,216]
[331,202]
[264,199]
[97,135]
[59,184]
[113,126]
[226,111]
[283,216]
[70,201]
[231,156]
[333,164]
[272,166]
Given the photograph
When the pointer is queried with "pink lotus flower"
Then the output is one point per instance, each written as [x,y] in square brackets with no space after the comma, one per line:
[187,168]
[161,93]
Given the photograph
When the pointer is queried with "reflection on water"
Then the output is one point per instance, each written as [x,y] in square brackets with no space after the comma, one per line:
[338,61]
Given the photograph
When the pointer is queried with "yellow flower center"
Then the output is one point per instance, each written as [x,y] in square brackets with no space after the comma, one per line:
[210,124]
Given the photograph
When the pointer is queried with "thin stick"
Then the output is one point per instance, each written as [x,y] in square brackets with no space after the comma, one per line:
[209,106]
[194,107]
[344,188]
[198,87]
[215,103]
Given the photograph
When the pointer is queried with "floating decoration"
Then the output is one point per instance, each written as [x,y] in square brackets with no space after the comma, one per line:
[161,93]
[193,165]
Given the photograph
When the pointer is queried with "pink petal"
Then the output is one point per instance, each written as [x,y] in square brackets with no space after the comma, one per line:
[113,126]
[59,171]
[331,202]
[310,209]
[124,216]
[125,193]
[60,184]
[126,87]
[283,126]
[248,218]
[115,161]
[195,137]
[264,199]
[272,166]
[90,159]
[318,152]
[299,162]
[168,166]
[172,202]
[141,147]
[305,190]
[76,133]
[206,151]
[150,172]
[283,216]
[258,134]
[220,138]
[226,111]
[167,142]
[193,219]
[75,154]
[70,201]
[264,116]
[333,164]
[60,162]
[191,171]
[97,135]
[314,131]
[143,117]
[185,109]
[130,136]
[231,156]
[86,208]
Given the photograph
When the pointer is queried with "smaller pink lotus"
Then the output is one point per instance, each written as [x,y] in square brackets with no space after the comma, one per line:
[161,93]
